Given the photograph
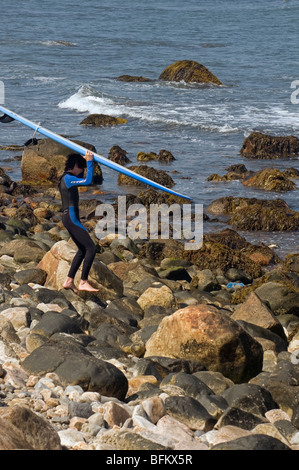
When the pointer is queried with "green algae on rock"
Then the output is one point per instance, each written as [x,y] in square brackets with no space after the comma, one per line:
[102,120]
[263,146]
[190,72]
[270,179]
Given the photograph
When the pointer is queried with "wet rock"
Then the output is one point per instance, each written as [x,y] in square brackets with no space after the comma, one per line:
[133,78]
[204,333]
[292,262]
[256,214]
[190,72]
[151,196]
[258,145]
[213,255]
[270,179]
[118,155]
[158,176]
[162,156]
[102,120]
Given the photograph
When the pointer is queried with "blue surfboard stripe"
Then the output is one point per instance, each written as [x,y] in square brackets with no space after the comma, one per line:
[98,158]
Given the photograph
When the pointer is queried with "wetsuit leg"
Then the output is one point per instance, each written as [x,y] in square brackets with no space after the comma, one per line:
[86,248]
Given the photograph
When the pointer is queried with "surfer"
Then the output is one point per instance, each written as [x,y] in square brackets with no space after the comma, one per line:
[68,185]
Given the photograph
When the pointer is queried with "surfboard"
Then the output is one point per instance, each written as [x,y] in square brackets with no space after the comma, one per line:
[11,116]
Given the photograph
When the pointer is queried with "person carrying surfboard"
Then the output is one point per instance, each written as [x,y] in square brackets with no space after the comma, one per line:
[69,182]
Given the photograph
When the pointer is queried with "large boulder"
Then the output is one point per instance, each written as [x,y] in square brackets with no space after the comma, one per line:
[259,145]
[56,264]
[208,335]
[190,72]
[21,429]
[44,162]
[75,365]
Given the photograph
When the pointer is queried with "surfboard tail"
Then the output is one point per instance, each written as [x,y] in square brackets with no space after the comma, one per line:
[10,116]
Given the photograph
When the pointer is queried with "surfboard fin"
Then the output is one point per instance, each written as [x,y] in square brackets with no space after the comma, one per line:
[6,118]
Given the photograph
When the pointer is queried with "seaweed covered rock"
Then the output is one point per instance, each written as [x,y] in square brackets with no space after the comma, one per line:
[133,78]
[264,146]
[159,176]
[190,72]
[270,179]
[256,214]
[162,156]
[118,155]
[102,120]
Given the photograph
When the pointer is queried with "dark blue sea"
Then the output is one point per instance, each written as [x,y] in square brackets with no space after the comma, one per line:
[60,61]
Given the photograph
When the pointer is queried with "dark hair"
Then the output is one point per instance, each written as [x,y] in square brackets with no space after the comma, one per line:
[71,161]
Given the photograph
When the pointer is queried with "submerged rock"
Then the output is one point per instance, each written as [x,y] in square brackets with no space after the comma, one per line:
[102,120]
[190,72]
[133,78]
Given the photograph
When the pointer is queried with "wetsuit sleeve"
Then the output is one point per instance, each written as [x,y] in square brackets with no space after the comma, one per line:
[72,180]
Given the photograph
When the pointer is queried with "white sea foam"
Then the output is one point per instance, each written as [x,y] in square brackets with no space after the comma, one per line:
[208,115]
[87,99]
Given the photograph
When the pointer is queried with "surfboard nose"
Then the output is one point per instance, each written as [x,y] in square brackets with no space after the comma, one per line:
[5,118]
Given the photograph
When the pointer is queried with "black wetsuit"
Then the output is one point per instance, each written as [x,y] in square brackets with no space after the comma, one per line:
[68,187]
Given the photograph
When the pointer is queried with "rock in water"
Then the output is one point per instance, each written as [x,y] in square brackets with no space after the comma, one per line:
[102,120]
[208,335]
[258,145]
[189,71]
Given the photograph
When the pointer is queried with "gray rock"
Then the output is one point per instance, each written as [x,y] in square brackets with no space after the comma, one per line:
[254,442]
[36,275]
[250,397]
[190,412]
[234,416]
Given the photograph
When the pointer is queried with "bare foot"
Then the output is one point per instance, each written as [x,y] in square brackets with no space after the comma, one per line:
[84,285]
[69,284]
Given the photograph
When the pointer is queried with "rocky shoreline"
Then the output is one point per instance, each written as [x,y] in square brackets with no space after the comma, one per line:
[180,350]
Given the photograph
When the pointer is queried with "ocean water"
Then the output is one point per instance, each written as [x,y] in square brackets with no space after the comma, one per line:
[60,61]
